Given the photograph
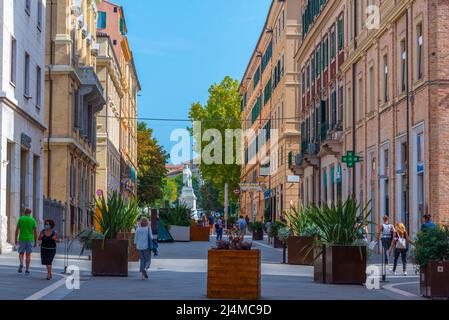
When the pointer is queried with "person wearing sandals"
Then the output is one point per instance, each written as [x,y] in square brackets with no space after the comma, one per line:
[399,247]
[143,240]
[48,238]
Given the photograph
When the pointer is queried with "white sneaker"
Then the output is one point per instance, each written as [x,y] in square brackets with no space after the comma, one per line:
[405,273]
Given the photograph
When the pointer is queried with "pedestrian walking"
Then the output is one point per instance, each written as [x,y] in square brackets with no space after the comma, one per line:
[219,229]
[428,224]
[48,238]
[242,225]
[385,235]
[268,229]
[399,247]
[26,238]
[211,223]
[143,240]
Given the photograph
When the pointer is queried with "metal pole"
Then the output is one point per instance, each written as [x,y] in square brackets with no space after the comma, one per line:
[226,206]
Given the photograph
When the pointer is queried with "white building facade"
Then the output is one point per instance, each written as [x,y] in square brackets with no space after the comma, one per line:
[22,116]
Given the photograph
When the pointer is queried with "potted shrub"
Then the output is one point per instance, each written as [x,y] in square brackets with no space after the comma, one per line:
[302,238]
[178,220]
[344,260]
[233,269]
[274,230]
[257,229]
[431,254]
[110,255]
[283,234]
[199,233]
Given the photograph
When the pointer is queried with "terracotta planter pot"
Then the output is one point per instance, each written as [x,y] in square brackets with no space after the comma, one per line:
[198,233]
[434,280]
[277,243]
[110,260]
[234,274]
[257,235]
[346,264]
[319,264]
[300,250]
[133,255]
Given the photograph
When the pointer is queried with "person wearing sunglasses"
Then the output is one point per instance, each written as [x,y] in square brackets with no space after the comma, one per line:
[49,238]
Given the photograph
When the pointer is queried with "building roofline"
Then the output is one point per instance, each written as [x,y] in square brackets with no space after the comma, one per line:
[258,42]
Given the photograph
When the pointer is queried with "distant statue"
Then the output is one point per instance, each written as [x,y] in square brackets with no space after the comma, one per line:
[187,176]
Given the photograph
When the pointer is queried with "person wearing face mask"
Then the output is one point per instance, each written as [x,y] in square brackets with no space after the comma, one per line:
[49,238]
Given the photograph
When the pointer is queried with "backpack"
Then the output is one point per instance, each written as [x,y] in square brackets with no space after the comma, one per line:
[242,225]
[401,243]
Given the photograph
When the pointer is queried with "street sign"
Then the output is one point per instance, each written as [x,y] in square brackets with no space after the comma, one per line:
[293,179]
[251,187]
[351,159]
[99,192]
[260,180]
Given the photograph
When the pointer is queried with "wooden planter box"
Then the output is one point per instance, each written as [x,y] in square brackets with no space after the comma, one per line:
[346,264]
[319,264]
[277,243]
[133,255]
[110,260]
[180,234]
[234,274]
[257,235]
[300,250]
[434,280]
[198,233]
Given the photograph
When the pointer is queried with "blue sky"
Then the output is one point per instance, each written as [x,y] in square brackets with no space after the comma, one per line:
[181,47]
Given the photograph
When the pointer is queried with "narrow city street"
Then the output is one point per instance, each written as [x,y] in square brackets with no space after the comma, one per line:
[180,273]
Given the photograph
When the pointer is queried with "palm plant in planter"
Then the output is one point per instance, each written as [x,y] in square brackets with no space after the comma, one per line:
[257,229]
[114,217]
[178,220]
[303,236]
[431,254]
[343,258]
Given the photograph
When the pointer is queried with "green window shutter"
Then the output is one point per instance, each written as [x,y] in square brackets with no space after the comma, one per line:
[101,23]
[333,45]
[340,34]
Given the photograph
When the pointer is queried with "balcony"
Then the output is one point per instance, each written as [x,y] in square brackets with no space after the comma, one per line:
[295,161]
[309,155]
[91,88]
[331,140]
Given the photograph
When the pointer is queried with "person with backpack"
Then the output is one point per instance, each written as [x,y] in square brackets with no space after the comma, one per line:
[399,247]
[385,235]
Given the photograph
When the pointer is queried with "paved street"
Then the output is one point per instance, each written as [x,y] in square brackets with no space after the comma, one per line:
[180,272]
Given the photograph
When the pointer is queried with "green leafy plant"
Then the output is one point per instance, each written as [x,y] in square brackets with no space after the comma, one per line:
[432,245]
[115,215]
[256,226]
[85,237]
[337,224]
[300,223]
[284,233]
[180,215]
[274,229]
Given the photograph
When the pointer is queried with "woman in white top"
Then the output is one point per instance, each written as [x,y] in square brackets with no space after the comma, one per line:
[143,240]
[385,234]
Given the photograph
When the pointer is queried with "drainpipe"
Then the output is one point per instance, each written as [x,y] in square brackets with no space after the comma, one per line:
[50,107]
[407,88]
[354,97]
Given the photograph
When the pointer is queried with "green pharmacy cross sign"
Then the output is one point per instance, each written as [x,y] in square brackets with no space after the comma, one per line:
[351,159]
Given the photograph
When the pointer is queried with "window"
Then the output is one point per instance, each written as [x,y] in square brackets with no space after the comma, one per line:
[283,19]
[332,45]
[308,76]
[362,15]
[385,78]
[257,77]
[28,6]
[348,109]
[340,34]
[325,52]
[340,104]
[303,82]
[420,147]
[115,9]
[313,68]
[101,22]
[333,109]
[13,60]
[27,76]
[403,66]
[419,54]
[38,87]
[39,14]
[267,92]
[360,100]
[371,93]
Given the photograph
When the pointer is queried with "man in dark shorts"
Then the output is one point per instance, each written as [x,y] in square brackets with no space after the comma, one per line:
[26,238]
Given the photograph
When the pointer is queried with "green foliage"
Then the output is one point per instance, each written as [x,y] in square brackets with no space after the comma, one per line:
[85,237]
[116,215]
[284,233]
[337,224]
[210,196]
[222,112]
[275,227]
[256,226]
[151,160]
[180,215]
[432,245]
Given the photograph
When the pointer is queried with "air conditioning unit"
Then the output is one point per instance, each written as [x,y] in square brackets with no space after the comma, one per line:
[84,31]
[76,8]
[95,49]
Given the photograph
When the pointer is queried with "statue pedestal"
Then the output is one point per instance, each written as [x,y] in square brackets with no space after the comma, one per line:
[188,198]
